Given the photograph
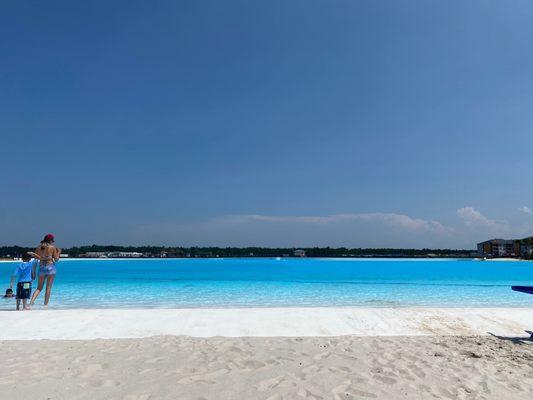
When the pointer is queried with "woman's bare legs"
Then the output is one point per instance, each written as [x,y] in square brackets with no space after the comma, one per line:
[38,290]
[49,284]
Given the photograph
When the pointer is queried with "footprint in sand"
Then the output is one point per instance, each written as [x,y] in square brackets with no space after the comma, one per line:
[312,369]
[79,360]
[484,385]
[91,370]
[446,393]
[306,394]
[251,365]
[234,349]
[276,396]
[342,370]
[138,397]
[322,356]
[272,383]
[348,392]
[203,377]
[515,386]
[145,371]
[386,380]
[155,360]
[406,375]
[105,383]
[417,371]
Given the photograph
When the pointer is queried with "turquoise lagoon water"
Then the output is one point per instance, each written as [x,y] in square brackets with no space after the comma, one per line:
[180,283]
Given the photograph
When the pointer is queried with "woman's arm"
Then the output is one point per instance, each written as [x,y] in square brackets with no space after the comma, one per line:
[57,254]
[35,255]
[38,253]
[34,269]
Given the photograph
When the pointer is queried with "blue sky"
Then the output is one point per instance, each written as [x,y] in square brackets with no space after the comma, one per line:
[272,123]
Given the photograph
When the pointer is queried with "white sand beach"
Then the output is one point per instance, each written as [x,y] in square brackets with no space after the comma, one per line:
[273,368]
[274,354]
[263,322]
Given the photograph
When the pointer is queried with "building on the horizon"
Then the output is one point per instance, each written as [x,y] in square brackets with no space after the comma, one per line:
[499,248]
[125,254]
[298,253]
[94,254]
[112,254]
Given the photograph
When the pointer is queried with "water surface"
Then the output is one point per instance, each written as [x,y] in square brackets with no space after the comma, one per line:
[290,282]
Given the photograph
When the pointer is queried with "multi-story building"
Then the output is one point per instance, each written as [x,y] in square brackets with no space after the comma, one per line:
[499,248]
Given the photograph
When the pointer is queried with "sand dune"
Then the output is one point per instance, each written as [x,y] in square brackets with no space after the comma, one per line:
[340,368]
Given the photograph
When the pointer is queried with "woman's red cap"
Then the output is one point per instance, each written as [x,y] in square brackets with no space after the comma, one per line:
[49,237]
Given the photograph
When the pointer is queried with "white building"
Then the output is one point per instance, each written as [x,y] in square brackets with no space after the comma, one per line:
[125,254]
[94,254]
[298,253]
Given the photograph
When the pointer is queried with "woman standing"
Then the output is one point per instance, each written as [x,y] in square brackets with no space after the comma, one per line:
[48,254]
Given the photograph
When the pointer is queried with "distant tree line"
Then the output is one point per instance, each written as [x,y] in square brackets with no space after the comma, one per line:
[157,251]
[528,242]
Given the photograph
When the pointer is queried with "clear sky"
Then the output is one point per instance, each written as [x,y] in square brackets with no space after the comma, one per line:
[271,123]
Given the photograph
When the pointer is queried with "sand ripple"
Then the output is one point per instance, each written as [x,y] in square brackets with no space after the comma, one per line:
[340,368]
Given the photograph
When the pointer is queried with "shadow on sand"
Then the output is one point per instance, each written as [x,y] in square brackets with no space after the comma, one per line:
[516,339]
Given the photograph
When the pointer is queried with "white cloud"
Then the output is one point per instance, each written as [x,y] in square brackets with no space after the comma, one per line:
[351,230]
[405,222]
[525,209]
[379,229]
[395,220]
[483,226]
[471,216]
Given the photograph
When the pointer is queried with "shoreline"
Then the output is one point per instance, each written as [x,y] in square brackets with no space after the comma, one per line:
[88,324]
[290,258]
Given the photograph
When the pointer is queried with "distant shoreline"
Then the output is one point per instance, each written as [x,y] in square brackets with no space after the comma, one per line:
[282,258]
[113,251]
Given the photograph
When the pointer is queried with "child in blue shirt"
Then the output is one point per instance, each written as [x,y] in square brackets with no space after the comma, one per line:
[25,274]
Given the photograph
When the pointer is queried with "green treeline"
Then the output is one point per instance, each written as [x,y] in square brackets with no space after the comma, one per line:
[156,251]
